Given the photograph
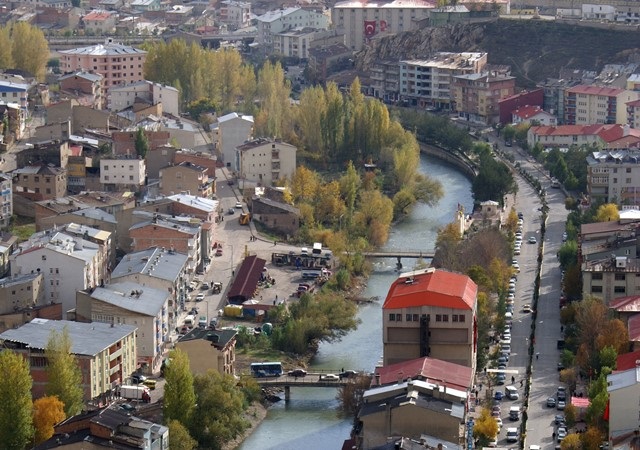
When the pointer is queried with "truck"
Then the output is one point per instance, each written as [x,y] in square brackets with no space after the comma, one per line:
[244,219]
[135,393]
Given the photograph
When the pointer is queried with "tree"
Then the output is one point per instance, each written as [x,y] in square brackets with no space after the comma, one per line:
[373,218]
[570,414]
[614,335]
[47,411]
[6,58]
[485,428]
[273,91]
[568,254]
[217,418]
[591,439]
[607,213]
[179,395]
[493,182]
[349,186]
[571,442]
[16,421]
[351,394]
[607,358]
[29,49]
[141,143]
[304,185]
[64,377]
[179,437]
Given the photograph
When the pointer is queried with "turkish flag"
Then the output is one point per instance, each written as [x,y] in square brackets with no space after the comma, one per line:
[383,25]
[369,28]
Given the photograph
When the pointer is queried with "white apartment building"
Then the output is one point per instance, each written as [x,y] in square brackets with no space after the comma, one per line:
[122,173]
[428,82]
[614,177]
[624,402]
[232,130]
[6,199]
[294,43]
[235,14]
[129,303]
[263,161]
[611,278]
[123,96]
[588,104]
[68,264]
[361,21]
[274,22]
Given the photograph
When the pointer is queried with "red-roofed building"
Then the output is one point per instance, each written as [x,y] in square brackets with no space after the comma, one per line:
[587,104]
[430,313]
[633,113]
[530,113]
[100,22]
[633,328]
[628,361]
[508,104]
[427,369]
[614,136]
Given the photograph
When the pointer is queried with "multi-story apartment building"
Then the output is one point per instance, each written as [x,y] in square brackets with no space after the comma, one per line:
[360,20]
[117,63]
[106,353]
[123,173]
[123,96]
[21,292]
[186,177]
[100,22]
[428,82]
[614,177]
[86,87]
[158,268]
[477,95]
[68,263]
[610,137]
[234,14]
[277,21]
[623,388]
[12,92]
[594,104]
[178,234]
[6,199]
[40,182]
[431,313]
[385,81]
[611,278]
[533,114]
[209,350]
[232,130]
[129,303]
[294,43]
[633,113]
[264,161]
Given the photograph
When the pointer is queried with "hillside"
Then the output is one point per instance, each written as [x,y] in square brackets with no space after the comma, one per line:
[535,50]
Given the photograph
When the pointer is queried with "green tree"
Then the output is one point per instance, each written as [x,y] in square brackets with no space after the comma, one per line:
[179,394]
[607,358]
[64,377]
[349,186]
[141,143]
[509,133]
[29,49]
[607,212]
[273,92]
[47,411]
[568,254]
[493,182]
[217,418]
[374,216]
[179,437]
[16,421]
[6,57]
[310,111]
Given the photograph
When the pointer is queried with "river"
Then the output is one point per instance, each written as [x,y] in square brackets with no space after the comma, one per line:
[309,420]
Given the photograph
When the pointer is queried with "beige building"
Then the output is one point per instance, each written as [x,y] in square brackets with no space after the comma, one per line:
[100,22]
[123,174]
[40,182]
[186,177]
[123,96]
[294,43]
[84,87]
[210,349]
[235,14]
[430,313]
[6,199]
[129,303]
[231,131]
[614,177]
[273,22]
[624,397]
[264,161]
[477,95]
[588,104]
[106,353]
[21,293]
[611,278]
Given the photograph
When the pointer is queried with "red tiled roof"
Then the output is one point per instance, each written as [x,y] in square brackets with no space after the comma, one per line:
[526,112]
[97,15]
[627,361]
[75,150]
[626,304]
[633,327]
[595,90]
[428,369]
[634,103]
[580,402]
[432,288]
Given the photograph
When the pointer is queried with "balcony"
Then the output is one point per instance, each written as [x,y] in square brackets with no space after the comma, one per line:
[116,354]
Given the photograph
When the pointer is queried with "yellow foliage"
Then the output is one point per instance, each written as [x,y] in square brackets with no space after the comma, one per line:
[607,213]
[571,442]
[485,426]
[47,411]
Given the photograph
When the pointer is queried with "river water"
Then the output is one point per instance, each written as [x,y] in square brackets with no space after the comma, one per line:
[309,420]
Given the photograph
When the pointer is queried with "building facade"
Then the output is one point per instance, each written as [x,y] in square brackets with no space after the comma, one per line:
[614,177]
[85,85]
[610,278]
[123,96]
[477,95]
[235,14]
[6,199]
[431,313]
[40,182]
[587,104]
[210,350]
[623,388]
[274,22]
[185,177]
[123,174]
[264,161]
[232,130]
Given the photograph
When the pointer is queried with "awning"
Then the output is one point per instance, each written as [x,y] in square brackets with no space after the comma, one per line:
[246,280]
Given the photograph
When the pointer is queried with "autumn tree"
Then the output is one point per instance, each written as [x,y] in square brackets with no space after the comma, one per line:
[179,395]
[273,91]
[304,185]
[16,421]
[64,377]
[351,394]
[47,411]
[591,439]
[309,114]
[374,216]
[511,224]
[29,49]
[607,213]
[485,428]
[570,414]
[141,143]
[179,437]
[571,442]
[217,417]
[349,186]
[6,58]
[329,205]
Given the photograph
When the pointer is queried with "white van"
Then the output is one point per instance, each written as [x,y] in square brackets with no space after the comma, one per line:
[317,248]
[512,435]
[511,392]
[190,321]
[514,413]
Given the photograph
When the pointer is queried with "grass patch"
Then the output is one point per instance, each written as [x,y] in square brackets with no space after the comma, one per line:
[22,227]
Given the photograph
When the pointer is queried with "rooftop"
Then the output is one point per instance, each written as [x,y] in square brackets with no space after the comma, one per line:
[60,242]
[13,281]
[595,90]
[132,297]
[233,115]
[628,361]
[527,112]
[427,369]
[259,142]
[154,262]
[39,169]
[448,60]
[98,15]
[193,201]
[387,4]
[106,49]
[218,338]
[94,77]
[271,16]
[626,304]
[86,338]
[431,287]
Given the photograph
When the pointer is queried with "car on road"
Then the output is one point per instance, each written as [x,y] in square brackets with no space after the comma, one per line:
[348,374]
[564,237]
[516,251]
[560,405]
[526,308]
[493,442]
[151,384]
[502,360]
[200,297]
[205,286]
[499,422]
[551,402]
[496,408]
[128,407]
[297,373]
[501,379]
[559,419]
[561,434]
[194,311]
[498,395]
[238,205]
[533,240]
[218,251]
[138,378]
[231,211]
[329,377]
[560,366]
[495,413]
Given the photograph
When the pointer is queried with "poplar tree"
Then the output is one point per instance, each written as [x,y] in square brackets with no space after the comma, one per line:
[179,395]
[64,377]
[16,422]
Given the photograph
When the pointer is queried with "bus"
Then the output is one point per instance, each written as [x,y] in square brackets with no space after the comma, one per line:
[266,369]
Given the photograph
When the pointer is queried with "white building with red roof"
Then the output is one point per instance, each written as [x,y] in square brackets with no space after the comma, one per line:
[533,113]
[588,104]
[431,313]
[100,21]
[614,136]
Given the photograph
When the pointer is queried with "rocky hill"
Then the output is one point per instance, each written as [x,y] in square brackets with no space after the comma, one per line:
[534,49]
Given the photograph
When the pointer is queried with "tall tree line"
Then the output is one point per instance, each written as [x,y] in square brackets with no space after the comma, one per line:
[24,47]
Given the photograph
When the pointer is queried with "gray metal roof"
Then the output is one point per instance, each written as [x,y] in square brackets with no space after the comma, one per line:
[96,214]
[155,262]
[132,297]
[12,281]
[86,338]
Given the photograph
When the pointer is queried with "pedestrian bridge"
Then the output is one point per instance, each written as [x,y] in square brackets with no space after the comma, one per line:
[399,254]
[311,380]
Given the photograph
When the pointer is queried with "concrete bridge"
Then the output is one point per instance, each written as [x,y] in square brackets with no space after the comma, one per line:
[310,380]
[399,254]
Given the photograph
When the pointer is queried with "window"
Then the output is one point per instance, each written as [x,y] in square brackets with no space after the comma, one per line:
[398,317]
[454,318]
[445,317]
[438,318]
[36,179]
[416,317]
[596,289]
[619,289]
[392,317]
[44,257]
[408,318]
[596,276]
[130,177]
[619,277]
[106,167]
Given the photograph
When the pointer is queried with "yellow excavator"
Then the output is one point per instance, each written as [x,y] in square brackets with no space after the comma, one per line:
[244,218]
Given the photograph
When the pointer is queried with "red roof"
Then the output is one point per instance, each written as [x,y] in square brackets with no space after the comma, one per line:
[634,103]
[626,304]
[627,361]
[580,402]
[426,369]
[595,90]
[527,112]
[633,326]
[247,279]
[432,288]
[97,15]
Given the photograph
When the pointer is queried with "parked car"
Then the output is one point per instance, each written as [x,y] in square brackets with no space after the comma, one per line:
[560,405]
[151,384]
[297,373]
[218,251]
[231,211]
[498,395]
[526,308]
[205,286]
[551,402]
[329,377]
[137,378]
[559,419]
[533,240]
[561,434]
[348,374]
[238,205]
[200,297]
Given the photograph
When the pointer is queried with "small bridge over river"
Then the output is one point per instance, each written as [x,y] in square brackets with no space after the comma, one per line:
[399,254]
[310,380]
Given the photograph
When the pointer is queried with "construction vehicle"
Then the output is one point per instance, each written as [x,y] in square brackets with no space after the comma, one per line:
[244,218]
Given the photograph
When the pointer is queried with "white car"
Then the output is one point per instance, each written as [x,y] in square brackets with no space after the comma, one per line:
[516,267]
[329,377]
[200,297]
[238,205]
[526,308]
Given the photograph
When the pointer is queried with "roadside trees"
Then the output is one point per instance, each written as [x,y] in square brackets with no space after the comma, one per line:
[179,396]
[47,411]
[64,378]
[485,428]
[16,421]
